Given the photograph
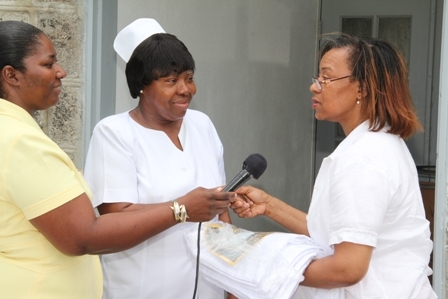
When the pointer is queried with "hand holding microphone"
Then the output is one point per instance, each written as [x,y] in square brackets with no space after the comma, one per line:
[203,204]
[253,166]
[243,205]
[250,201]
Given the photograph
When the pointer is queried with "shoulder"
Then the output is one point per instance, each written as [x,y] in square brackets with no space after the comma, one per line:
[200,123]
[378,150]
[115,124]
[114,121]
[197,116]
[198,119]
[23,136]
[378,143]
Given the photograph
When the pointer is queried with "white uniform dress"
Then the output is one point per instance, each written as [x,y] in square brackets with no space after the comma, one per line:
[367,192]
[129,163]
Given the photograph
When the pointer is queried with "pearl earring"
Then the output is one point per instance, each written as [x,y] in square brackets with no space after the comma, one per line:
[357,102]
[141,91]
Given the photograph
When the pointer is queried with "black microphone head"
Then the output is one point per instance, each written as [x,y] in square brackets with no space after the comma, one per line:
[255,164]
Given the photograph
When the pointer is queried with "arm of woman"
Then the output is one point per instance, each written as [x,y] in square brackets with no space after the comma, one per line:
[252,202]
[106,208]
[74,229]
[192,209]
[225,216]
[346,267]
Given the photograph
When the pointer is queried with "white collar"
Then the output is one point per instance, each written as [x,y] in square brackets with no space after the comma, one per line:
[354,135]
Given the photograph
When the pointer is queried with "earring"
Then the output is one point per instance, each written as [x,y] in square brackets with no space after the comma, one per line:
[141,90]
[357,102]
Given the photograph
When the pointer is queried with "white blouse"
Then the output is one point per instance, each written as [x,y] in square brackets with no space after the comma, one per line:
[129,163]
[367,192]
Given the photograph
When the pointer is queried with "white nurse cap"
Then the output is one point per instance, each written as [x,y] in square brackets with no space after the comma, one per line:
[132,35]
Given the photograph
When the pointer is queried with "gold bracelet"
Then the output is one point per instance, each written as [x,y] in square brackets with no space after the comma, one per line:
[180,213]
[176,209]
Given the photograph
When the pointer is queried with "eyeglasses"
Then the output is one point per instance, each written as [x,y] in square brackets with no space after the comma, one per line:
[318,83]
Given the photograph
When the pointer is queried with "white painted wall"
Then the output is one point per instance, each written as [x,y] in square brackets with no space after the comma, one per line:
[254,60]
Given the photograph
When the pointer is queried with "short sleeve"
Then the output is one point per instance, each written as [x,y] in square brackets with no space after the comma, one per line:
[110,167]
[37,175]
[358,204]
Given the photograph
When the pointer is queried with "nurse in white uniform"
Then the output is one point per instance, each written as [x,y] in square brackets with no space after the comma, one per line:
[157,153]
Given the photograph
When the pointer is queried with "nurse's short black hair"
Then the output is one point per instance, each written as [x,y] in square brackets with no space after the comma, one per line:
[159,55]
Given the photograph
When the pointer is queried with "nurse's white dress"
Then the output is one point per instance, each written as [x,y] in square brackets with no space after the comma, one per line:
[129,163]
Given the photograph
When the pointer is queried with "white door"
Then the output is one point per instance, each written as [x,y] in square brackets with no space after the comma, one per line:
[408,25]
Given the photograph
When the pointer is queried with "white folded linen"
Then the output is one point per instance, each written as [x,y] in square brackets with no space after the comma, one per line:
[252,265]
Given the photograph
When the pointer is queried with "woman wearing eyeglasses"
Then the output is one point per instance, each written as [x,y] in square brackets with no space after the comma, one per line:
[366,208]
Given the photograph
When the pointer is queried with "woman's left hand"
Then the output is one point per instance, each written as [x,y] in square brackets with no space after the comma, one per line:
[346,267]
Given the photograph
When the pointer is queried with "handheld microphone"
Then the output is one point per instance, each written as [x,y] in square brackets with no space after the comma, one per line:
[253,166]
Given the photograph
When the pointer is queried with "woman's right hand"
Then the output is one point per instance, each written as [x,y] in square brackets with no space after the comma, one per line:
[204,204]
[250,202]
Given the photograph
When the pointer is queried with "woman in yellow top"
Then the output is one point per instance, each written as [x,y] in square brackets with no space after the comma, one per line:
[48,226]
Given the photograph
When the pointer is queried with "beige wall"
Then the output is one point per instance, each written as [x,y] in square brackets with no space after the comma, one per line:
[63,21]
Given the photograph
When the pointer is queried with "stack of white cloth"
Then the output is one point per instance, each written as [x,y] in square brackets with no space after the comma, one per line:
[252,265]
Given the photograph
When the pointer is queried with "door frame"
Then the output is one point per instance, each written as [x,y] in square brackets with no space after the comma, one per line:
[100,70]
[441,192]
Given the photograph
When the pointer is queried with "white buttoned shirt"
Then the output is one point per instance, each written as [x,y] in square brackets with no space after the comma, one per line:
[367,192]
